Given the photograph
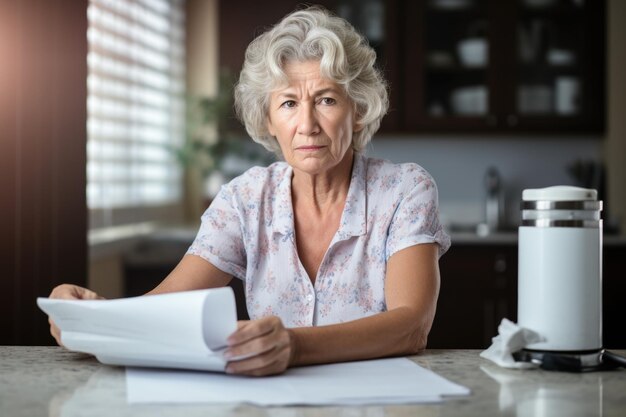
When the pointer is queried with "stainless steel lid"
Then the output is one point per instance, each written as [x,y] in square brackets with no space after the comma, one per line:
[561,206]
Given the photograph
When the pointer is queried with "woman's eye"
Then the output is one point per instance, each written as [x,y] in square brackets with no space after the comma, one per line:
[288,104]
[328,101]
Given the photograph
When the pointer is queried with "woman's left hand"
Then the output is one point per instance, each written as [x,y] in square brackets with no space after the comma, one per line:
[265,347]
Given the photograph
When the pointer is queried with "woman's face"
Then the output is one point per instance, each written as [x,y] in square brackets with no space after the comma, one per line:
[312,119]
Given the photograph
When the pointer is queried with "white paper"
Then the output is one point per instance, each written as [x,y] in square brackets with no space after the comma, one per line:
[381,381]
[179,330]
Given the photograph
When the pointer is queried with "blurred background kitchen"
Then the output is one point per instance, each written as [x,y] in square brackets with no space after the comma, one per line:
[116,130]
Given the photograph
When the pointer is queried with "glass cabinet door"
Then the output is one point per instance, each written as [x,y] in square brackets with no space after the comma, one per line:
[377,20]
[368,17]
[504,65]
[551,39]
[449,65]
[456,53]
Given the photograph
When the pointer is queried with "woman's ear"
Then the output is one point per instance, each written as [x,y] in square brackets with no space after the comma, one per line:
[357,126]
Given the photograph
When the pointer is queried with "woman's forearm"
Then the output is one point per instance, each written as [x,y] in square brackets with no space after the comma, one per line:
[397,332]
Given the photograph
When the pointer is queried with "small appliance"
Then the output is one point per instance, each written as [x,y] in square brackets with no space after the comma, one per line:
[560,279]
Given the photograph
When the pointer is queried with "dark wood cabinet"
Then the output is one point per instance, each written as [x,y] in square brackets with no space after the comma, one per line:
[241,21]
[505,66]
[478,290]
[471,66]
[614,293]
[153,258]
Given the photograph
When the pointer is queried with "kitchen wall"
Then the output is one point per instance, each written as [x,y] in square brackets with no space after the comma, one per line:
[458,165]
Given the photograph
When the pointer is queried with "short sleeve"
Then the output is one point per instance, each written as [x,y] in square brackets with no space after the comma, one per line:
[220,240]
[416,219]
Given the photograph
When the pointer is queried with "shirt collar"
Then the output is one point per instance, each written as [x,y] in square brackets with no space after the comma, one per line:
[354,217]
[282,220]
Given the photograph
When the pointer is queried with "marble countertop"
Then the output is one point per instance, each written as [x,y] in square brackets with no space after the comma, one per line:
[184,235]
[511,238]
[49,381]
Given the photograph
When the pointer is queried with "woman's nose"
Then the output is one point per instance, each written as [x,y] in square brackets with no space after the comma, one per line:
[307,121]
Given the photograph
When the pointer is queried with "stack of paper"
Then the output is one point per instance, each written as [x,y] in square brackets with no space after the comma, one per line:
[177,330]
[382,381]
[188,330]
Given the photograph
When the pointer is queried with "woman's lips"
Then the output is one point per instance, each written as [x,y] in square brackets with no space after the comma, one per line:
[309,148]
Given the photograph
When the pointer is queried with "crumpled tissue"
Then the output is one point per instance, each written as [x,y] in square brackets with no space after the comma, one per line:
[510,338]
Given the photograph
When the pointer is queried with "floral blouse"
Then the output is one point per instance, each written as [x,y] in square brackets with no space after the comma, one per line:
[248,231]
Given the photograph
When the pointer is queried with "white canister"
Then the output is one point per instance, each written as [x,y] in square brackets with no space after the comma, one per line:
[560,268]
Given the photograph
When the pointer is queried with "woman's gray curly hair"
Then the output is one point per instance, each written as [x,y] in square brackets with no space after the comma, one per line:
[311,34]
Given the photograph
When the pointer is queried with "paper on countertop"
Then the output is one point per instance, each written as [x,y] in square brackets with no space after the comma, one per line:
[178,330]
[381,381]
[510,338]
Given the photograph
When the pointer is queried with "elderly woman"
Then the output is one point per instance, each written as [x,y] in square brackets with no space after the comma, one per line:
[338,252]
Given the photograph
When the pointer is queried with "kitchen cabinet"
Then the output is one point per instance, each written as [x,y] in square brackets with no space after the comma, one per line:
[241,21]
[154,257]
[466,65]
[614,290]
[478,289]
[504,66]
[478,285]
[378,21]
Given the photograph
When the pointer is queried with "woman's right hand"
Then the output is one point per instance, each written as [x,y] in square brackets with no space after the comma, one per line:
[69,292]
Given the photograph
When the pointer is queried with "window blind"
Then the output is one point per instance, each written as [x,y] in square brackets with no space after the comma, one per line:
[135,102]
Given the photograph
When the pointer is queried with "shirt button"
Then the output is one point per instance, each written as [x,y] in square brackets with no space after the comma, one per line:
[309,297]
